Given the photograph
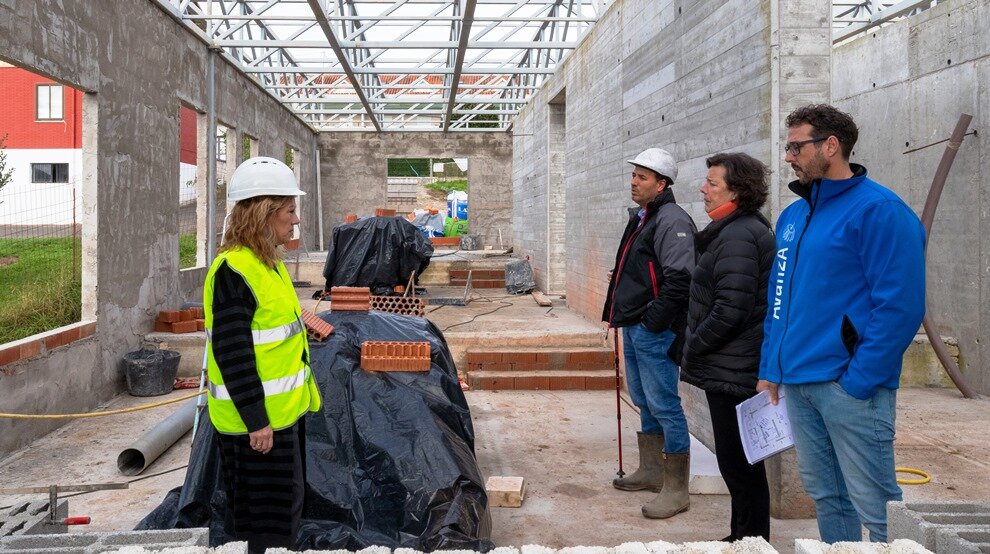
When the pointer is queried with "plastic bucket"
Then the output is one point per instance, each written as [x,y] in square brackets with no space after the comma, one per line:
[151,372]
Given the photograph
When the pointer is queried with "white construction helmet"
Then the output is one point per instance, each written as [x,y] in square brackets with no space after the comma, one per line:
[658,160]
[261,176]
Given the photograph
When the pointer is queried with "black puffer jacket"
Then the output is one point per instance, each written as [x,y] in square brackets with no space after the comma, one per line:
[727,304]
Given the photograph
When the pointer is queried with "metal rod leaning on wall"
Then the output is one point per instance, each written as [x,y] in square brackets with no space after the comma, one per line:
[211,156]
[136,458]
[319,194]
[927,217]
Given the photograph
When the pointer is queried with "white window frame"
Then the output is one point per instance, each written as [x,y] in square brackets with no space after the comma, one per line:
[49,103]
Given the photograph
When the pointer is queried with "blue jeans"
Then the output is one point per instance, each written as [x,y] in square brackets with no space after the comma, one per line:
[845,452]
[652,378]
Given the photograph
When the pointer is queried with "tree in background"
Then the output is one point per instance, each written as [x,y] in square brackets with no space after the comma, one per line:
[6,173]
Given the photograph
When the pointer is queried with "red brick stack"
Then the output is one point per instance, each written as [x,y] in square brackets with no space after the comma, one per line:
[395,356]
[480,278]
[180,321]
[350,299]
[384,212]
[402,305]
[317,329]
[350,218]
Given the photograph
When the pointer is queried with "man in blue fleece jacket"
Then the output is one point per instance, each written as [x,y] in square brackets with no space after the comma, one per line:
[846,297]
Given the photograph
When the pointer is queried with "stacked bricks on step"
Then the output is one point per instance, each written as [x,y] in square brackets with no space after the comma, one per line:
[395,356]
[180,321]
[402,305]
[317,329]
[350,218]
[565,368]
[93,543]
[954,527]
[384,212]
[480,278]
[350,299]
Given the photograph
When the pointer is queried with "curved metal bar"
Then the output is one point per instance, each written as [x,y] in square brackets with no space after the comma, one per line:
[927,217]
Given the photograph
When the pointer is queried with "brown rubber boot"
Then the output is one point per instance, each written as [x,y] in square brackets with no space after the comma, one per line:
[649,474]
[674,498]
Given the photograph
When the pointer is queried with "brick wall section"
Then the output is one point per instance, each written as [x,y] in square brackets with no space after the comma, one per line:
[180,321]
[395,356]
[480,278]
[44,343]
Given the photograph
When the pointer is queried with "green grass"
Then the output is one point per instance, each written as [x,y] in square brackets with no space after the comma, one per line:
[40,291]
[447,186]
[187,250]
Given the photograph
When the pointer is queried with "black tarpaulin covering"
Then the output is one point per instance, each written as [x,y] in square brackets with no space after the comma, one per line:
[376,252]
[389,459]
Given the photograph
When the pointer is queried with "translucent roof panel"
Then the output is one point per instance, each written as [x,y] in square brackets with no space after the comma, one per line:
[392,65]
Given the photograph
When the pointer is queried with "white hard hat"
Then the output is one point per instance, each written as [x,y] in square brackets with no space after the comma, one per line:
[658,160]
[262,176]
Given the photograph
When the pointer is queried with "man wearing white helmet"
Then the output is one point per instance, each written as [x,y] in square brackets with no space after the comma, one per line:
[647,298]
[260,385]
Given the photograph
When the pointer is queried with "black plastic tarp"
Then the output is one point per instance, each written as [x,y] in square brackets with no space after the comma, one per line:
[389,458]
[376,252]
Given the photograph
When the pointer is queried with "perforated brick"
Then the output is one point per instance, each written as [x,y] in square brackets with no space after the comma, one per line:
[402,305]
[395,356]
[317,329]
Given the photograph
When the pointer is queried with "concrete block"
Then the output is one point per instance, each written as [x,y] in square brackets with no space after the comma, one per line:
[748,545]
[632,548]
[705,476]
[962,540]
[584,550]
[95,543]
[920,521]
[900,546]
[921,367]
[189,346]
[471,242]
[660,547]
[536,549]
[504,550]
[505,492]
[31,518]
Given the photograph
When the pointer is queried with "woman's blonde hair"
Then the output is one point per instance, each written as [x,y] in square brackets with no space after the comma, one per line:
[250,226]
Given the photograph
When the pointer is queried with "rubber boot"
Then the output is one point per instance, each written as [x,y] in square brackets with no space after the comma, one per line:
[649,474]
[674,498]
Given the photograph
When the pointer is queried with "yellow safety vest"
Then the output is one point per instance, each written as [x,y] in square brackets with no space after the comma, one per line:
[279,343]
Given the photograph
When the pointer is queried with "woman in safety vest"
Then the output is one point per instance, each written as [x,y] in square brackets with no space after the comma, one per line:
[260,384]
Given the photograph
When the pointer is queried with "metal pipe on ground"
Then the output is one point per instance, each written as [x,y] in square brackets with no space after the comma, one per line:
[154,443]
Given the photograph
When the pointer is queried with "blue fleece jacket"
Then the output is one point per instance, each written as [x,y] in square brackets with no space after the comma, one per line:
[847,288]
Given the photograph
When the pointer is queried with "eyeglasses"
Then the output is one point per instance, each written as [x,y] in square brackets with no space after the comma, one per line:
[795,147]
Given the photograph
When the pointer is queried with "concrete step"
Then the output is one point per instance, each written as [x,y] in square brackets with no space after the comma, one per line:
[541,380]
[580,358]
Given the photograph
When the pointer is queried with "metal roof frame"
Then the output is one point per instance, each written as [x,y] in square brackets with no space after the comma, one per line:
[395,65]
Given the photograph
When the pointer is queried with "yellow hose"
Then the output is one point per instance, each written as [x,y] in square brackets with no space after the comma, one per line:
[99,414]
[925,477]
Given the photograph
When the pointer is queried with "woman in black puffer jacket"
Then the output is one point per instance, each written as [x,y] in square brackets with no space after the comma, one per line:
[728,302]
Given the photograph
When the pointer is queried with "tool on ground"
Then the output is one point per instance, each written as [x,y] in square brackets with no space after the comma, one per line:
[925,477]
[53,492]
[455,301]
[618,398]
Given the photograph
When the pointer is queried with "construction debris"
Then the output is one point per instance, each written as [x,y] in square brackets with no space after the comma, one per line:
[519,277]
[505,492]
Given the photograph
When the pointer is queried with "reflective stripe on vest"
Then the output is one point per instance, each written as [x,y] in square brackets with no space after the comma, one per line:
[273,387]
[267,336]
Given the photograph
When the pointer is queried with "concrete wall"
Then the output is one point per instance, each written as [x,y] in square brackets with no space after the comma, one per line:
[694,77]
[905,85]
[136,65]
[353,173]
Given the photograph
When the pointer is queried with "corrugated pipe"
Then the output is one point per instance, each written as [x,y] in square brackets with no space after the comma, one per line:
[927,218]
[154,443]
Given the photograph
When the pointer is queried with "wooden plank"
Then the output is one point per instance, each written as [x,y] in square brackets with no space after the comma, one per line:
[542,299]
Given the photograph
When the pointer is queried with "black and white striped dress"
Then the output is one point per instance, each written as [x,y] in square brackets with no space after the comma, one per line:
[265,491]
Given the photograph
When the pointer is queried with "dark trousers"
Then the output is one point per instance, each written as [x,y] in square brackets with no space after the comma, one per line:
[747,483]
[265,491]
